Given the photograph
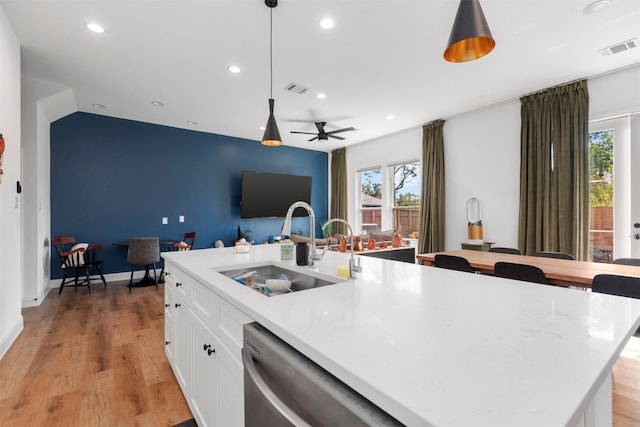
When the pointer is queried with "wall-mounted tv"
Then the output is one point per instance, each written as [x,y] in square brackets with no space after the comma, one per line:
[267,195]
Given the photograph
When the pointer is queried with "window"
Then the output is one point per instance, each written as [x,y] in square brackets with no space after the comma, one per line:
[406,198]
[390,198]
[371,199]
[601,195]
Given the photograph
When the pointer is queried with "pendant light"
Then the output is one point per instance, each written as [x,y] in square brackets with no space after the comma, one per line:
[470,37]
[271,135]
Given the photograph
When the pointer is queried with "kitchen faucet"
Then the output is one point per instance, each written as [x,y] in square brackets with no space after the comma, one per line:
[314,256]
[354,267]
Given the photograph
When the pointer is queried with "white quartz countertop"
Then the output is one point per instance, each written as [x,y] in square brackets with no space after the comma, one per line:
[436,347]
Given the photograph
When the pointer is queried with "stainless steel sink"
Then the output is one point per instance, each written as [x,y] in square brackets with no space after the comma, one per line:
[299,281]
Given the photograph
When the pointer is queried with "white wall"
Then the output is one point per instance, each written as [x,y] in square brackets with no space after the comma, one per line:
[482,160]
[615,94]
[42,103]
[482,157]
[11,321]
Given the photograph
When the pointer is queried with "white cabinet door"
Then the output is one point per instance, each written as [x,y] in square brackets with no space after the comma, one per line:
[169,326]
[231,394]
[182,339]
[205,378]
[203,336]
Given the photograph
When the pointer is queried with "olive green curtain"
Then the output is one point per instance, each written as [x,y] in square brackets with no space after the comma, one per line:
[554,171]
[431,234]
[339,196]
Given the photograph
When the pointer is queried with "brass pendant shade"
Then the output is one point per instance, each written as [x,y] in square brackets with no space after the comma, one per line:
[470,37]
[271,133]
[271,137]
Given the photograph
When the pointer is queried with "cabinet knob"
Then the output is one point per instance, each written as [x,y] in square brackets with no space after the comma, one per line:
[167,342]
[177,305]
[210,351]
[167,273]
[178,284]
[167,305]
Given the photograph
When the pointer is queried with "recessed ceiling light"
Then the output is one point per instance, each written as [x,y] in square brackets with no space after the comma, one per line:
[391,117]
[98,106]
[596,6]
[157,103]
[262,128]
[326,23]
[192,123]
[234,69]
[95,27]
[321,96]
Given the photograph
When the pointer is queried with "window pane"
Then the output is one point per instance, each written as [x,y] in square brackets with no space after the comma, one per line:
[601,195]
[371,199]
[406,198]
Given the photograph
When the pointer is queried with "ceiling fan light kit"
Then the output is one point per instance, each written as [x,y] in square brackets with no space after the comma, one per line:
[271,137]
[470,36]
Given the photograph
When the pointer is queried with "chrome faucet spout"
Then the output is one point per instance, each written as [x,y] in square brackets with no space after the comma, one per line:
[354,264]
[314,256]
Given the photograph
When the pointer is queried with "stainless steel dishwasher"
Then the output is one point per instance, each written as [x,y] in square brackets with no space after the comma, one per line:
[282,387]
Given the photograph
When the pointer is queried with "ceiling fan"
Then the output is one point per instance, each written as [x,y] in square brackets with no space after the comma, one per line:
[323,135]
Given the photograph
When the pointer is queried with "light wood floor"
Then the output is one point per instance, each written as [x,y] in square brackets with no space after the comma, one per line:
[92,360]
[98,360]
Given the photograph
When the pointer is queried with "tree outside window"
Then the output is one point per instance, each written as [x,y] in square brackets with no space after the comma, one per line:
[406,198]
[371,199]
[601,195]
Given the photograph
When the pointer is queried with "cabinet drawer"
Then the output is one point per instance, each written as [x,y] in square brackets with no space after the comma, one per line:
[224,320]
[181,284]
[204,304]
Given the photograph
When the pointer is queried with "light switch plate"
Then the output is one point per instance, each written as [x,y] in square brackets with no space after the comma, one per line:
[165,220]
[181,218]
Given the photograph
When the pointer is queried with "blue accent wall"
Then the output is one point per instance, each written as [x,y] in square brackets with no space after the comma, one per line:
[113,179]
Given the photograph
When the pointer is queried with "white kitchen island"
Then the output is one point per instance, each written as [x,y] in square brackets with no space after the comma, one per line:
[429,346]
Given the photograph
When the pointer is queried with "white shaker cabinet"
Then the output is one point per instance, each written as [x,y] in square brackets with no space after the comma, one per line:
[177,320]
[204,400]
[204,333]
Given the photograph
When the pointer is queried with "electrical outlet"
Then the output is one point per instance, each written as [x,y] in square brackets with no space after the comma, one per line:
[165,220]
[181,218]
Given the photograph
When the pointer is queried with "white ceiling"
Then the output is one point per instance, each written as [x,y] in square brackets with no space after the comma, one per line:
[382,57]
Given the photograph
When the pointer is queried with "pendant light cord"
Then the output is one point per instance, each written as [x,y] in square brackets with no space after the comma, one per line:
[271,50]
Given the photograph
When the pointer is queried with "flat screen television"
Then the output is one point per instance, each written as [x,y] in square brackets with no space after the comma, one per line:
[267,195]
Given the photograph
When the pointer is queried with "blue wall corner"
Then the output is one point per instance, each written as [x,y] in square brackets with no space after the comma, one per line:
[113,179]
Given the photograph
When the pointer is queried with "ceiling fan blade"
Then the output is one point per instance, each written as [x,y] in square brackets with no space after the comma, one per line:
[336,137]
[320,126]
[340,130]
[296,120]
[306,133]
[313,139]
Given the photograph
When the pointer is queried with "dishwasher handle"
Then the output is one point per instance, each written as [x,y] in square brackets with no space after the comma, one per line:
[269,394]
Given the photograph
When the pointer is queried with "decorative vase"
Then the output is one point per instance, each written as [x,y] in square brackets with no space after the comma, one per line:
[371,244]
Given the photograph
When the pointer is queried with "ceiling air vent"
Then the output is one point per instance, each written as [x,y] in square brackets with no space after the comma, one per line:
[620,47]
[296,88]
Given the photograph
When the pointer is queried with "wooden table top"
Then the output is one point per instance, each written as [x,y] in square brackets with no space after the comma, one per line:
[558,271]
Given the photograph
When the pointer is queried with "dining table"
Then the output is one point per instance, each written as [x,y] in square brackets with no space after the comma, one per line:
[561,272]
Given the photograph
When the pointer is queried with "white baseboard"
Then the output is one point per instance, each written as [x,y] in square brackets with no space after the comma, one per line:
[111,277]
[32,301]
[13,333]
